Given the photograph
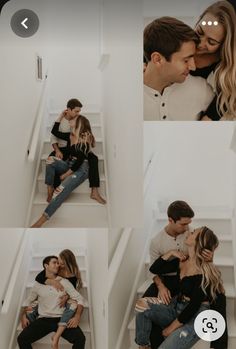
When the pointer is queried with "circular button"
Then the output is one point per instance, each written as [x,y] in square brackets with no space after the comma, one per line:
[156,95]
[25,23]
[164,117]
[163,104]
[209,325]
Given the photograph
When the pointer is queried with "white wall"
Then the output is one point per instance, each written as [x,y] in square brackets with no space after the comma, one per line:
[11,239]
[122,106]
[74,47]
[19,99]
[195,162]
[97,245]
[186,10]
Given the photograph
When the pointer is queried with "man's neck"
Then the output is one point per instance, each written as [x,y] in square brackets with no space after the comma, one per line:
[170,231]
[154,80]
[50,275]
[67,117]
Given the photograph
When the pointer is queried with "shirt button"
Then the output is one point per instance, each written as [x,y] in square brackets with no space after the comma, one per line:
[156,95]
[164,117]
[163,104]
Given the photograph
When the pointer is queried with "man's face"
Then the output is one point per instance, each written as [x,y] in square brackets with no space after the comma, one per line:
[180,226]
[180,64]
[73,113]
[53,266]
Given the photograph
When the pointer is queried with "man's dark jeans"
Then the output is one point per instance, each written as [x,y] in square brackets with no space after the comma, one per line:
[43,326]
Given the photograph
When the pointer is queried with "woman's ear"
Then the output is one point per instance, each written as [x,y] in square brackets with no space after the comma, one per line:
[157,58]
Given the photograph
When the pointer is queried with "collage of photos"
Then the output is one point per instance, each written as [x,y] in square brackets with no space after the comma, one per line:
[118,230]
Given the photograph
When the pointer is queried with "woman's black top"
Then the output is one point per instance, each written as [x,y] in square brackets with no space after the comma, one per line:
[74,151]
[211,111]
[189,286]
[41,278]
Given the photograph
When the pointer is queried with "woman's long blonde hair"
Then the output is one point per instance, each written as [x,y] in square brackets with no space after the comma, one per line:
[69,260]
[225,74]
[211,276]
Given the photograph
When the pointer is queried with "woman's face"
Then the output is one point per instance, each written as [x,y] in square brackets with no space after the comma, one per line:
[61,264]
[191,237]
[211,36]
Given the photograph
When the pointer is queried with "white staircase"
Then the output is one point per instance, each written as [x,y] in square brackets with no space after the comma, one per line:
[221,224]
[78,210]
[86,319]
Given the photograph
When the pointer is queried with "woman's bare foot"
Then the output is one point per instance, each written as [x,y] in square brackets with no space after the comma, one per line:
[39,222]
[95,195]
[55,342]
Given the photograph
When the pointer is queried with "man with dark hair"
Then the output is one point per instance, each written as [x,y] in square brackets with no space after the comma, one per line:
[170,93]
[49,310]
[172,237]
[60,146]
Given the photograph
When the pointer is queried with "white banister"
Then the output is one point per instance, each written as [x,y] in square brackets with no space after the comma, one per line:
[149,170]
[118,257]
[14,275]
[38,122]
[149,222]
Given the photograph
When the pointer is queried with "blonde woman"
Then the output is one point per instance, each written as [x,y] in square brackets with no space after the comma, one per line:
[215,58]
[68,270]
[199,286]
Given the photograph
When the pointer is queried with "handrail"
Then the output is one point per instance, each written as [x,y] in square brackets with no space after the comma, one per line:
[151,166]
[12,282]
[37,123]
[118,257]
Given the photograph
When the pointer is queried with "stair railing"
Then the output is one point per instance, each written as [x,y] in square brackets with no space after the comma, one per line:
[118,257]
[35,134]
[149,221]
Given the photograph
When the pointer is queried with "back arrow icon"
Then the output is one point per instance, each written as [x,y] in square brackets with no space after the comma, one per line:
[23,23]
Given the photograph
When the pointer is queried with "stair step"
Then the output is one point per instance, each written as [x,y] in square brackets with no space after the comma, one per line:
[74,199]
[80,211]
[98,149]
[37,258]
[96,129]
[83,188]
[100,163]
[93,117]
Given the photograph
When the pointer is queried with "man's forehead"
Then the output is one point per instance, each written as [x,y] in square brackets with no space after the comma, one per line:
[184,220]
[187,49]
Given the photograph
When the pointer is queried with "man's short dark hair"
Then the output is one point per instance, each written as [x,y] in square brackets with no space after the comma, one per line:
[48,259]
[179,209]
[166,36]
[73,103]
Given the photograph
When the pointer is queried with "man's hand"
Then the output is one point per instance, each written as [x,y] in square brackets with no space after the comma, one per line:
[74,322]
[164,294]
[24,321]
[207,255]
[59,154]
[63,300]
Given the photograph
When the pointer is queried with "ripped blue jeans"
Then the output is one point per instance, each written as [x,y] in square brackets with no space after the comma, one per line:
[163,315]
[67,186]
